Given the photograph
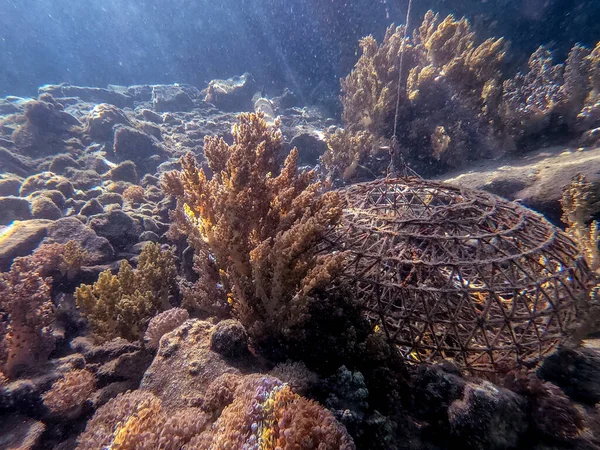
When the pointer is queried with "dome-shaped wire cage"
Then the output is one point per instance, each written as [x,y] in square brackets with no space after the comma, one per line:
[454,273]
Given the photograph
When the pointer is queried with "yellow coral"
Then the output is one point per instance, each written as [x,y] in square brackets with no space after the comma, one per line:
[122,304]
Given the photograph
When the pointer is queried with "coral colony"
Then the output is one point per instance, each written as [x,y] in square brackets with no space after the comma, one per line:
[176,276]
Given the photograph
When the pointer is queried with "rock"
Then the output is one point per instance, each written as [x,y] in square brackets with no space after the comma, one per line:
[149,236]
[61,162]
[47,131]
[99,248]
[10,185]
[83,179]
[139,147]
[151,116]
[185,365]
[14,208]
[101,120]
[435,388]
[310,144]
[46,180]
[110,198]
[20,239]
[91,208]
[229,338]
[117,227]
[12,104]
[150,180]
[576,372]
[233,94]
[128,366]
[20,433]
[56,196]
[125,171]
[536,178]
[488,417]
[44,208]
[171,98]
[11,163]
[88,94]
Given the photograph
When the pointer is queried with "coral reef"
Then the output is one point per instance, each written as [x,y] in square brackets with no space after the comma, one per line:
[261,224]
[136,420]
[450,85]
[163,323]
[123,304]
[67,396]
[27,315]
[456,102]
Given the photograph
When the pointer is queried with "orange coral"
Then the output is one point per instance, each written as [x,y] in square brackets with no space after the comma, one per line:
[260,223]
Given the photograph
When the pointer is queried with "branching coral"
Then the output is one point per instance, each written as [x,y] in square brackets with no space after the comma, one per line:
[67,395]
[122,304]
[455,102]
[579,202]
[260,223]
[448,102]
[27,314]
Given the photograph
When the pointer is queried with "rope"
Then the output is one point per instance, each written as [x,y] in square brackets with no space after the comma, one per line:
[394,146]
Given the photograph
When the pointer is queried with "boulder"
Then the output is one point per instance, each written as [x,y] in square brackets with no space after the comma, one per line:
[185,365]
[99,248]
[20,239]
[20,432]
[91,208]
[233,94]
[139,147]
[126,171]
[576,372]
[536,179]
[172,98]
[88,94]
[310,144]
[101,120]
[14,208]
[117,227]
[10,185]
[44,181]
[10,163]
[488,417]
[47,131]
[43,207]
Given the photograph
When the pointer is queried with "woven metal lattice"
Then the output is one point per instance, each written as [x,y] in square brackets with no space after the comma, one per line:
[454,273]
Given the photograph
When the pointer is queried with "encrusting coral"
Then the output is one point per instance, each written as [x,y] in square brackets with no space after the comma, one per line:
[123,304]
[260,223]
[68,394]
[163,323]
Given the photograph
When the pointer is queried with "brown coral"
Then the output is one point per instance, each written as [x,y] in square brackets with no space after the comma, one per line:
[579,202]
[68,394]
[123,304]
[450,89]
[260,223]
[26,314]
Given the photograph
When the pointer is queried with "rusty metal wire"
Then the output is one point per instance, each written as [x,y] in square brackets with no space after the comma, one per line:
[454,273]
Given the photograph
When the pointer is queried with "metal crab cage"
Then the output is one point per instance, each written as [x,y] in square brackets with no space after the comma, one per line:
[454,273]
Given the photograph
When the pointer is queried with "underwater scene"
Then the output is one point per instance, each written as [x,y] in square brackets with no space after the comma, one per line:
[299,224]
